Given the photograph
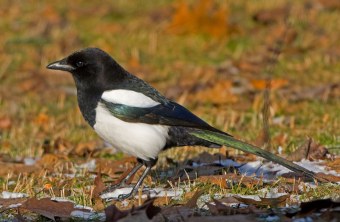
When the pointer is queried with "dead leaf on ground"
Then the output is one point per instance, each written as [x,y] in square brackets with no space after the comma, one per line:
[5,123]
[99,186]
[273,15]
[205,17]
[177,213]
[57,146]
[144,212]
[5,203]
[328,177]
[49,208]
[334,164]
[219,93]
[115,168]
[264,201]
[51,161]
[261,84]
[84,149]
[221,208]
[309,150]
[192,202]
[306,208]
[330,4]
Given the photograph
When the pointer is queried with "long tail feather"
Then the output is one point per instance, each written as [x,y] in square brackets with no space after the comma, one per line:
[226,140]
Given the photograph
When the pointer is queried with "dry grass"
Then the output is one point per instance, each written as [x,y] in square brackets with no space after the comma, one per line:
[186,66]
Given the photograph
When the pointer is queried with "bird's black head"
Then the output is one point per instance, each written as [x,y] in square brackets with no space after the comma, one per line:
[88,66]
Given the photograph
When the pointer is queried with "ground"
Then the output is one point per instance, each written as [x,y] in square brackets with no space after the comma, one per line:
[213,57]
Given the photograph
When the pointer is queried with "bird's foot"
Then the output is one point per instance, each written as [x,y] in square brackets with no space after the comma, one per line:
[122,197]
[113,187]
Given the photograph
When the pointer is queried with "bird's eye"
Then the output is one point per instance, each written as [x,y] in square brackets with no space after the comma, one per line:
[80,64]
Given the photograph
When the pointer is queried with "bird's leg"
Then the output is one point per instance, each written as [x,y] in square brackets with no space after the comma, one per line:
[123,182]
[148,164]
[135,188]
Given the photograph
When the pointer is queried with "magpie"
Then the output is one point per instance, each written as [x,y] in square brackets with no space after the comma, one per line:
[135,118]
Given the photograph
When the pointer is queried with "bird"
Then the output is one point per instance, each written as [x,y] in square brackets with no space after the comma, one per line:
[136,119]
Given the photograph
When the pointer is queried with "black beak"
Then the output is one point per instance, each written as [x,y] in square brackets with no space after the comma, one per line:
[61,65]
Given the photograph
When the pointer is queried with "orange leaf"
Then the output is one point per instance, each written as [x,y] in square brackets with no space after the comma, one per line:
[260,84]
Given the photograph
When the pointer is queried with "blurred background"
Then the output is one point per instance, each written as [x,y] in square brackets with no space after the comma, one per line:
[214,57]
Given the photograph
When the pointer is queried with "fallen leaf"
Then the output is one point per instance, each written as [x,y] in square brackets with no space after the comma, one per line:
[5,123]
[204,17]
[115,168]
[7,202]
[328,177]
[49,208]
[50,161]
[142,213]
[99,186]
[263,201]
[330,4]
[273,15]
[309,150]
[261,84]
[192,202]
[306,208]
[220,208]
[84,149]
[334,164]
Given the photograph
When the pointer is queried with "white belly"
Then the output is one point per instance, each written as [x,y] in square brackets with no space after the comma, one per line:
[141,140]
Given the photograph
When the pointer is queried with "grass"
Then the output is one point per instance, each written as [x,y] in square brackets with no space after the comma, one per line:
[41,104]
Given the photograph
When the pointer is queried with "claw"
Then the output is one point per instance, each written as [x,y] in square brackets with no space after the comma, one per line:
[111,188]
[122,197]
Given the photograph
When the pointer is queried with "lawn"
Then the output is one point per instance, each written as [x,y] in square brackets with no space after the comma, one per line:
[213,57]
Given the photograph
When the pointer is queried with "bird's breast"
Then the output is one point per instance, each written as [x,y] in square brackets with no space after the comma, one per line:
[141,140]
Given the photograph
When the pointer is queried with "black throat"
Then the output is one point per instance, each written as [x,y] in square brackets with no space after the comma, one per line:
[88,99]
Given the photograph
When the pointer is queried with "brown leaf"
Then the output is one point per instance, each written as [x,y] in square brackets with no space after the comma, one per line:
[114,168]
[5,123]
[219,93]
[330,4]
[4,203]
[306,208]
[309,150]
[271,15]
[264,201]
[49,208]
[192,202]
[220,207]
[328,177]
[84,149]
[335,164]
[203,17]
[177,213]
[260,84]
[113,214]
[99,186]
[50,161]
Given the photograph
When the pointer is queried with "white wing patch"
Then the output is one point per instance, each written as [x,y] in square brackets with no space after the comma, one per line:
[129,98]
[141,140]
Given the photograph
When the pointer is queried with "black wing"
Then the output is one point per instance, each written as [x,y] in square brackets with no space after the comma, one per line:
[171,114]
